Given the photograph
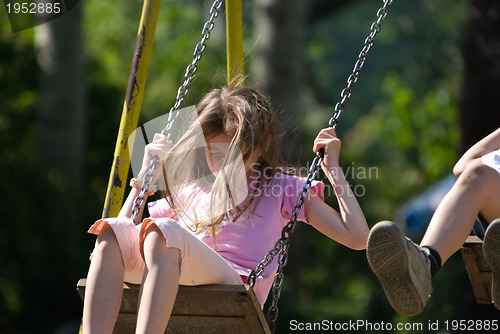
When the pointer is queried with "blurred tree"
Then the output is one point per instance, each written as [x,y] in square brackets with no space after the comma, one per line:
[480,101]
[44,178]
[278,65]
[62,105]
[17,133]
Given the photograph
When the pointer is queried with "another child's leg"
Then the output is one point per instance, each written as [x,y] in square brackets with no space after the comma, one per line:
[477,190]
[104,288]
[160,283]
[404,268]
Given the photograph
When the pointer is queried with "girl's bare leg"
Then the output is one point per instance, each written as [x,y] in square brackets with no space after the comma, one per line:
[103,293]
[160,283]
[477,190]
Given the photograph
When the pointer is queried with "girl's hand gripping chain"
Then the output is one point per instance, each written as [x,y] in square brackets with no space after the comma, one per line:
[327,141]
[159,147]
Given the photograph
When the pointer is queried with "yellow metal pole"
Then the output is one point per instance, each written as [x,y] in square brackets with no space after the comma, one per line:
[131,107]
[234,42]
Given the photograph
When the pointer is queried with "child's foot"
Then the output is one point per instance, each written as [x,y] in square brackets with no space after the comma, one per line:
[491,250]
[402,267]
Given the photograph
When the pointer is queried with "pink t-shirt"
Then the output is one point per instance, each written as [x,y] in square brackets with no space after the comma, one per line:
[245,242]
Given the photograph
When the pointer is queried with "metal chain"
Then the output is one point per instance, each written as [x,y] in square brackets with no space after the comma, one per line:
[174,111]
[353,78]
[282,245]
[193,67]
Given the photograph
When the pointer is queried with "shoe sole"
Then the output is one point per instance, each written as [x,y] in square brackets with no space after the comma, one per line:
[491,251]
[388,258]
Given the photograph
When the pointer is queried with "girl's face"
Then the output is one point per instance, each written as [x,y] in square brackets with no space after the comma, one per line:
[217,148]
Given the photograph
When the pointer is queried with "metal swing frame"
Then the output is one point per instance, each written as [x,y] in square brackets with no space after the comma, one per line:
[131,109]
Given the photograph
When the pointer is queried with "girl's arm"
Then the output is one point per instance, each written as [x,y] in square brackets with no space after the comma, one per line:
[486,145]
[348,226]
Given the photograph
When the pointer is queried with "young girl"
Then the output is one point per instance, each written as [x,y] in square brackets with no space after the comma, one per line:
[225,205]
[406,269]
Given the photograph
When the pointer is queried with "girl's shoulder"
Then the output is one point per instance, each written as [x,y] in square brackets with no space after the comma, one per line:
[284,190]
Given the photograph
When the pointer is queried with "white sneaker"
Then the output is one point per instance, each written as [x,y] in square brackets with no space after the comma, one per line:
[491,250]
[402,267]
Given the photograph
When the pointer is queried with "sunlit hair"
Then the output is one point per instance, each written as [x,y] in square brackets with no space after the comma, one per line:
[246,116]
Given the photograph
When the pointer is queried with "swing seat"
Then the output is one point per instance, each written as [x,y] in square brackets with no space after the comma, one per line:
[198,309]
[477,268]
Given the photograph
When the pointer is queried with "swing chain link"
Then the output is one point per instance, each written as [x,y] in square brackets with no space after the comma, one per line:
[174,111]
[353,78]
[282,245]
[193,67]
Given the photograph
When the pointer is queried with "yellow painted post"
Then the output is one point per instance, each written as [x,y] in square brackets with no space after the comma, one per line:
[131,107]
[234,42]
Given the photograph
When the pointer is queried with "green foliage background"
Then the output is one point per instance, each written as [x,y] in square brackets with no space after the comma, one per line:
[402,120]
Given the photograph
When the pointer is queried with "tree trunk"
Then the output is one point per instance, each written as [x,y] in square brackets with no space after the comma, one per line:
[277,68]
[58,45]
[480,107]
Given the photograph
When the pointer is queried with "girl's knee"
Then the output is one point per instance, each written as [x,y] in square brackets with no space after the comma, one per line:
[152,232]
[154,243]
[106,246]
[106,238]
[478,174]
[153,237]
[479,181]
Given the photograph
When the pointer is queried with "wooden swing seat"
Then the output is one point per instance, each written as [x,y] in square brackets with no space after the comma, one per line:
[198,309]
[477,268]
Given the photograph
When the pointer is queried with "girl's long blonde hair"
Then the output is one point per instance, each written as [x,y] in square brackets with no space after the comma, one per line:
[246,116]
